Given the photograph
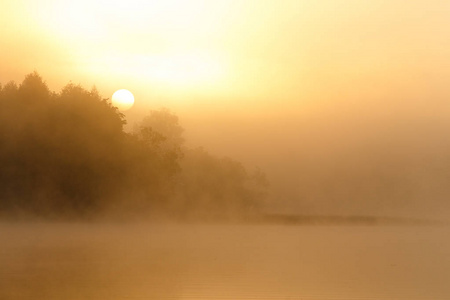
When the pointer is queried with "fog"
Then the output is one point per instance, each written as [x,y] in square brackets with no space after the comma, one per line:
[66,155]
[342,104]
[167,261]
[381,156]
[71,152]
[275,150]
[343,205]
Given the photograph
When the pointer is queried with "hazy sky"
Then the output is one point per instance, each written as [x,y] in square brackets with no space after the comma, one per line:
[257,80]
[271,53]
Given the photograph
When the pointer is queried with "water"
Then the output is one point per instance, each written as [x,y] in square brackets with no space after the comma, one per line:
[193,262]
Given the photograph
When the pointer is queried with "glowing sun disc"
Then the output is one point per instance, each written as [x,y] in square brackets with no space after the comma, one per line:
[122,99]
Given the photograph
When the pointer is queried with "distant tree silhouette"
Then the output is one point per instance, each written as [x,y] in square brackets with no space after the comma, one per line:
[67,154]
[167,124]
[205,186]
[213,187]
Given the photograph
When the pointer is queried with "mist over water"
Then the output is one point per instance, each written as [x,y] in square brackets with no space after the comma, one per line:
[383,156]
[141,215]
[170,261]
[275,150]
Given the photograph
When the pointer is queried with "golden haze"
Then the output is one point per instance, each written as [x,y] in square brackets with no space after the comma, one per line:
[277,79]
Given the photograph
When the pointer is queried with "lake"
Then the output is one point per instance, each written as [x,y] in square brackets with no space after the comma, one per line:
[191,262]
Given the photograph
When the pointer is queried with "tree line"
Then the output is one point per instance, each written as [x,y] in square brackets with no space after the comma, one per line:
[66,154]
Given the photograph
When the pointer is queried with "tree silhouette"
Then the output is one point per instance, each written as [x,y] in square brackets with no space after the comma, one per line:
[66,154]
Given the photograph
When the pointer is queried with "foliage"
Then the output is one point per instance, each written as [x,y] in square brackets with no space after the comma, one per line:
[206,186]
[213,187]
[66,154]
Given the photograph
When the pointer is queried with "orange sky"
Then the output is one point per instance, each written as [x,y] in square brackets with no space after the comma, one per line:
[180,53]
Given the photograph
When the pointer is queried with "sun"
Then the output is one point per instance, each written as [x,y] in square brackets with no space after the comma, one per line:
[122,99]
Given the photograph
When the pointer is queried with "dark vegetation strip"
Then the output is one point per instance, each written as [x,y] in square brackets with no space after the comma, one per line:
[284,219]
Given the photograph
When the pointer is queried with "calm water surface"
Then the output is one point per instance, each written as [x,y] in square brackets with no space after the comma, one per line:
[193,262]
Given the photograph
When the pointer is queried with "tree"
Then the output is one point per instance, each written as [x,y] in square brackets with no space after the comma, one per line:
[66,154]
[59,151]
[217,188]
[202,185]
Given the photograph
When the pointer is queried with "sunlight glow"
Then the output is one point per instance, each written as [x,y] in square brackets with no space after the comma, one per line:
[171,70]
[183,69]
[161,45]
[122,99]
